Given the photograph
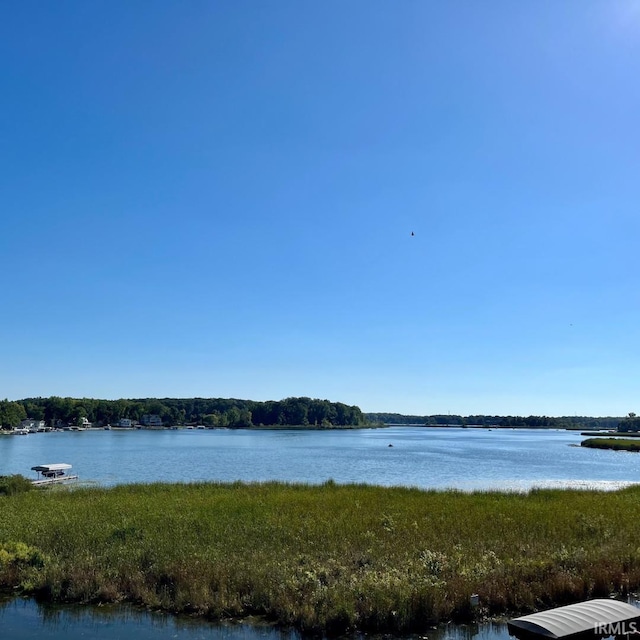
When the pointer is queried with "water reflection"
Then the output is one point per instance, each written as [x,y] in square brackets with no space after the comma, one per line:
[484,631]
[22,619]
[27,620]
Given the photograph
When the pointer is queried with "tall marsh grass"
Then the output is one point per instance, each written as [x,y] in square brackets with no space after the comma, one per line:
[617,444]
[328,557]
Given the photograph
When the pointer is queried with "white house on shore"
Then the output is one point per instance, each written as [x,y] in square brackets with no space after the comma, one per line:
[32,425]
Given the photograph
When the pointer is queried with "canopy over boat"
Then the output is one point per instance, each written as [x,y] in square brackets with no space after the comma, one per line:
[591,619]
[44,468]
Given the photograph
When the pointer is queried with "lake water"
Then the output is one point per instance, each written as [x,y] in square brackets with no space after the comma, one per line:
[465,459]
[26,620]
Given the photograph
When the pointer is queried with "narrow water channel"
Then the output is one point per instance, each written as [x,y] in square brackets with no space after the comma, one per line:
[22,619]
[25,619]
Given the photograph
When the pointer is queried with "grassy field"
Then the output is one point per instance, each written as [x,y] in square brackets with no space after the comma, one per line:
[328,557]
[618,444]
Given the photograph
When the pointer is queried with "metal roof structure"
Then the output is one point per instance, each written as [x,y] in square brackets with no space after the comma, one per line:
[44,468]
[590,619]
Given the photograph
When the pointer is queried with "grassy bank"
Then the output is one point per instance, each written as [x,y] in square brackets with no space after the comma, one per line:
[617,444]
[329,557]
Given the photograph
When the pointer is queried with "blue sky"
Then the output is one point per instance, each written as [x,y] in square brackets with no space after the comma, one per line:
[217,199]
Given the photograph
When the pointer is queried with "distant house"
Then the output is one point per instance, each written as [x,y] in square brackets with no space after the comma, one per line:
[83,423]
[33,425]
[151,420]
[125,423]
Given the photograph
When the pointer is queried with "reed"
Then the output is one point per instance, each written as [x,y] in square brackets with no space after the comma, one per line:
[330,558]
[617,444]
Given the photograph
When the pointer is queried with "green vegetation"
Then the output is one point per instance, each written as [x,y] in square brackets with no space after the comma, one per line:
[305,412]
[10,485]
[630,424]
[529,422]
[214,412]
[618,444]
[329,557]
[11,413]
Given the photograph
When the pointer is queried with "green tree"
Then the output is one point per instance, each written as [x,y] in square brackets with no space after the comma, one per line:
[211,419]
[77,414]
[630,423]
[11,413]
[33,410]
[296,410]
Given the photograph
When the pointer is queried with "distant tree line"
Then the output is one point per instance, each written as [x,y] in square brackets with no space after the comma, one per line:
[562,422]
[214,412]
[630,424]
[231,412]
[531,422]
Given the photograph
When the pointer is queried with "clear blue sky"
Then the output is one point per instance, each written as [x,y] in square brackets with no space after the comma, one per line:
[217,199]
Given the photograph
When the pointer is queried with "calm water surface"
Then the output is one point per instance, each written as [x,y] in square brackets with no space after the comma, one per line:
[440,458]
[26,620]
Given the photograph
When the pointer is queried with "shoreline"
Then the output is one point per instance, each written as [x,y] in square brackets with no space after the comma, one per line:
[301,427]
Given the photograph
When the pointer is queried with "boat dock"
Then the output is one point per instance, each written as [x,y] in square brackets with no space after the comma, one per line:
[52,474]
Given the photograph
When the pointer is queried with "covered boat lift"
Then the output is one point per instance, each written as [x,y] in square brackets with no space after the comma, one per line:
[590,619]
[52,474]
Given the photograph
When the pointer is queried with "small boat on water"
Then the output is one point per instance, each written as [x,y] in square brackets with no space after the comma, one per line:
[52,474]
